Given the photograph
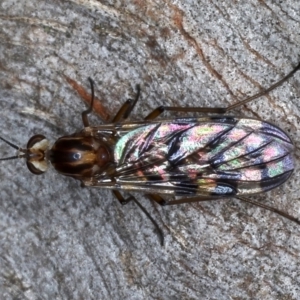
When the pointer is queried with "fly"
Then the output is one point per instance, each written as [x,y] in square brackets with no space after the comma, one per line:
[195,159]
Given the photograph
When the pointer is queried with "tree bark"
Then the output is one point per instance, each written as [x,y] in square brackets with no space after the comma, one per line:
[59,241]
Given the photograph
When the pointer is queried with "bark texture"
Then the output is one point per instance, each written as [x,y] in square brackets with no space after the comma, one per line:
[59,241]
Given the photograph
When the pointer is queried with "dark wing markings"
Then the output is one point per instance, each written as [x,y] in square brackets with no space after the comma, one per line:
[216,176]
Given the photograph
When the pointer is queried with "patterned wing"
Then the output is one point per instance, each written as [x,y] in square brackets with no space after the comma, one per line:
[216,156]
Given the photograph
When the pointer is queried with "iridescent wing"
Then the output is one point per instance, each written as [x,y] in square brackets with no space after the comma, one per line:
[210,156]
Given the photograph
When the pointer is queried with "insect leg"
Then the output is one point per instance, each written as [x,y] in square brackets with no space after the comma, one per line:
[264,92]
[159,110]
[160,200]
[121,199]
[220,110]
[124,201]
[157,198]
[85,113]
[270,208]
[127,107]
[123,112]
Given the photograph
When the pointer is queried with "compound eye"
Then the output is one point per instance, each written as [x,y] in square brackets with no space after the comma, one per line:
[35,170]
[35,140]
[35,155]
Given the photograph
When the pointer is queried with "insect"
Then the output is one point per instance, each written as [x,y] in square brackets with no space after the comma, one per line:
[196,159]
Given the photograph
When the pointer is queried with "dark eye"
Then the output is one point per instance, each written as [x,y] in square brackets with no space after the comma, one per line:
[34,140]
[76,156]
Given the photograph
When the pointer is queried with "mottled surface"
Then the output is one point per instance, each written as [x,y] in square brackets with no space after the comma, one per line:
[59,241]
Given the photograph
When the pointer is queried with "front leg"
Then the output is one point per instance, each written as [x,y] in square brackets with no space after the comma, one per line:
[127,107]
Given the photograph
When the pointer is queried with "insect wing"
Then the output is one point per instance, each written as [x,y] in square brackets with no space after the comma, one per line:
[221,156]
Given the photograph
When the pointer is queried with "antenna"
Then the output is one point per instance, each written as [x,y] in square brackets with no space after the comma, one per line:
[13,146]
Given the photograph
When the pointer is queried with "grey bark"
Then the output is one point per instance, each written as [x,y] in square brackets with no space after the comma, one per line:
[59,241]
